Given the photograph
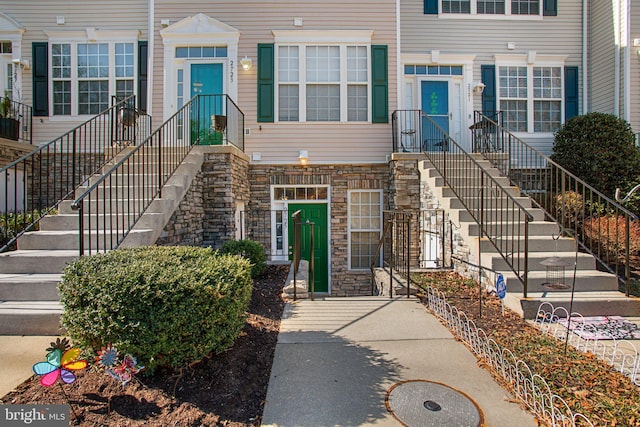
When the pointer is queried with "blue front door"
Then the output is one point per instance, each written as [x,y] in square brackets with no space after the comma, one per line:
[435,104]
[206,80]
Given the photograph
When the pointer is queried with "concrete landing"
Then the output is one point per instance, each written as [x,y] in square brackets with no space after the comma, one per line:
[337,358]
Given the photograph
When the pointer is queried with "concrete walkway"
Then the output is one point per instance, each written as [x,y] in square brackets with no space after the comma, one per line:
[337,358]
[17,356]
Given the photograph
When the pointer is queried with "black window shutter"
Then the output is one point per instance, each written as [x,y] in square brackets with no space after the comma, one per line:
[40,56]
[380,84]
[571,92]
[550,8]
[430,7]
[489,101]
[143,72]
[266,82]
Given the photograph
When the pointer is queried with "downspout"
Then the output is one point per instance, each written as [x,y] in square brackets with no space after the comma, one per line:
[616,57]
[399,74]
[151,37]
[585,40]
[626,101]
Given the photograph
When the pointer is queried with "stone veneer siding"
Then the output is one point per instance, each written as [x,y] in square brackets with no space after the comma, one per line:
[340,179]
[185,225]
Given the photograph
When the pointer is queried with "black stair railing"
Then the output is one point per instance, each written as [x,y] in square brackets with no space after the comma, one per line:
[114,201]
[600,226]
[35,184]
[500,216]
[16,120]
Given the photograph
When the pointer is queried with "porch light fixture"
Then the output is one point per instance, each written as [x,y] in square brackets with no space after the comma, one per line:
[246,63]
[23,63]
[303,157]
[478,88]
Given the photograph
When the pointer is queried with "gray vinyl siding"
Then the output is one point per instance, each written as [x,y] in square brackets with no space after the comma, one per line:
[601,57]
[487,36]
[38,16]
[255,20]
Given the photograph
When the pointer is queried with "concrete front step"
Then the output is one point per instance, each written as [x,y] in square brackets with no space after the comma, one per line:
[36,261]
[460,216]
[474,203]
[611,303]
[29,287]
[470,181]
[476,191]
[585,261]
[122,205]
[586,281]
[536,244]
[122,191]
[62,222]
[68,240]
[30,318]
[536,228]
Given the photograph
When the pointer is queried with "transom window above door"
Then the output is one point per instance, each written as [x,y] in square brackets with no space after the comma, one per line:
[515,8]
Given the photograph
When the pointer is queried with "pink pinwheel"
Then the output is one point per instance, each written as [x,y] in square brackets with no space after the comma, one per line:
[59,365]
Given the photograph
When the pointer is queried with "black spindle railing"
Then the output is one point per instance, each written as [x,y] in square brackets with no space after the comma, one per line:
[600,226]
[16,120]
[38,182]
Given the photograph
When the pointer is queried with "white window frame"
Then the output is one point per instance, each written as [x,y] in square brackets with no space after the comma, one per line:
[473,13]
[531,61]
[350,231]
[89,36]
[342,39]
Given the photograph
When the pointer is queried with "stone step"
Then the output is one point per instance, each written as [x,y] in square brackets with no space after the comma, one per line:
[586,281]
[470,181]
[30,318]
[36,261]
[611,303]
[69,240]
[120,191]
[62,222]
[585,261]
[474,203]
[29,287]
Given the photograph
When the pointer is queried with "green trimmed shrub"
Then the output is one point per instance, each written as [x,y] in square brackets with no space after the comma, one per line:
[167,306]
[599,149]
[253,251]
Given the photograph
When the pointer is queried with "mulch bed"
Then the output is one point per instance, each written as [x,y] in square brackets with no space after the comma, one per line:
[227,389]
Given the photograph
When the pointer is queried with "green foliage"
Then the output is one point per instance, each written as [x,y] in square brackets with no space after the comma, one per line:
[569,208]
[599,149]
[169,306]
[6,107]
[12,224]
[253,251]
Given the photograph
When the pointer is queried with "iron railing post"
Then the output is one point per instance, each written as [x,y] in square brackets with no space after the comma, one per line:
[627,249]
[525,278]
[408,252]
[393,224]
[81,228]
[160,162]
[312,266]
[73,159]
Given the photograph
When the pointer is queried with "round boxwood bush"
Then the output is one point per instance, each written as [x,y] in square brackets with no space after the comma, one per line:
[253,251]
[167,306]
[599,149]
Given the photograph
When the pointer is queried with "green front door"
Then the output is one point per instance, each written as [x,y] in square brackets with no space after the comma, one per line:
[315,213]
[206,80]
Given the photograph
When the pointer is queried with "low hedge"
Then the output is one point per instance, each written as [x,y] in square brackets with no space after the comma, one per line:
[167,306]
[249,249]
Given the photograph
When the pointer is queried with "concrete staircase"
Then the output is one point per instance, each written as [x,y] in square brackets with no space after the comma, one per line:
[596,292]
[29,299]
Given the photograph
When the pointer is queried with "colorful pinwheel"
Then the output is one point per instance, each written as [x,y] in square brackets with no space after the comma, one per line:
[122,371]
[59,365]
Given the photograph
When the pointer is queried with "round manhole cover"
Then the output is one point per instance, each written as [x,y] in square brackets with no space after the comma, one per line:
[427,403]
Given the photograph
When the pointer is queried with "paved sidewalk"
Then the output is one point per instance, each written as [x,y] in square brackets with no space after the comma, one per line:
[17,356]
[337,358]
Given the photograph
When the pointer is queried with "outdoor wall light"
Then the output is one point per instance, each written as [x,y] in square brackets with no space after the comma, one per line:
[478,88]
[246,63]
[24,63]
[303,157]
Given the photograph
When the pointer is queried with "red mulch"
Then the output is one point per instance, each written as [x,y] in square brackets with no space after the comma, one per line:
[227,389]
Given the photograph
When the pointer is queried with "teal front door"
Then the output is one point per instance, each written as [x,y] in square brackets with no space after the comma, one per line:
[435,104]
[206,80]
[315,213]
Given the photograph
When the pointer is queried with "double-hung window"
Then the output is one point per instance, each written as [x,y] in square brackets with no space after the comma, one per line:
[365,227]
[323,83]
[531,97]
[84,75]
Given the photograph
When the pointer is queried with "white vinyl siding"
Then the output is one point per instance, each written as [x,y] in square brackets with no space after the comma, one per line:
[365,227]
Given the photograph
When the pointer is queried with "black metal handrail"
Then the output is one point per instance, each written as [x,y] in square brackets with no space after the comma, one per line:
[501,217]
[600,226]
[216,119]
[16,120]
[113,203]
[36,183]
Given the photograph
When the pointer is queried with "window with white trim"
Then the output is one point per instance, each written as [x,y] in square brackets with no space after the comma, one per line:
[323,83]
[530,97]
[365,227]
[84,75]
[492,7]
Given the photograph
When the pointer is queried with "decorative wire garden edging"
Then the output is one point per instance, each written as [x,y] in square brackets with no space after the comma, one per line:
[531,388]
[621,354]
